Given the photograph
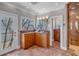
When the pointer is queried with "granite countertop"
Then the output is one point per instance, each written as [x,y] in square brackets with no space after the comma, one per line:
[27,32]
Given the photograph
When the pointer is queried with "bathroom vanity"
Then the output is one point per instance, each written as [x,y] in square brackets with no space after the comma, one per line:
[29,39]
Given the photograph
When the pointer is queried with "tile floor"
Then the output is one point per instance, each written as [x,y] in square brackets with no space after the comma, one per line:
[74,49]
[56,44]
[39,51]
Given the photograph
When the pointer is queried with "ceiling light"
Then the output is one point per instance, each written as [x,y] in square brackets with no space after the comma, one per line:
[47,17]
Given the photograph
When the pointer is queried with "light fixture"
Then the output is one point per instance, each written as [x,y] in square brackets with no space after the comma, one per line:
[47,17]
[43,17]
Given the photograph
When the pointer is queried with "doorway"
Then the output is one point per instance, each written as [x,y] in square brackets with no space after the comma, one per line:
[56,38]
[57,22]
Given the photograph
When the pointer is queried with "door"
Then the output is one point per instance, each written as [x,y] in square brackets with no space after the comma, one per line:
[56,38]
[57,35]
[59,32]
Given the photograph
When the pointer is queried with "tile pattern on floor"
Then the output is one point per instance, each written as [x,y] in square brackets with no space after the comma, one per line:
[56,44]
[74,49]
[39,51]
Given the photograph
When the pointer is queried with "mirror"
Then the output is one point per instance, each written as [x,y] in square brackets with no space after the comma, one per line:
[76,23]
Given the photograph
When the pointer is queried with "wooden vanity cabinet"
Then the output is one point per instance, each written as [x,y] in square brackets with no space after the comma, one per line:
[42,39]
[27,40]
[38,39]
[35,38]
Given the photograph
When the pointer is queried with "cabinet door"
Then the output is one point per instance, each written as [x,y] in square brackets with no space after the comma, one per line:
[29,40]
[45,40]
[42,39]
[38,39]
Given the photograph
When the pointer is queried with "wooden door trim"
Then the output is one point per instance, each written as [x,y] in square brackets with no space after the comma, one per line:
[68,25]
